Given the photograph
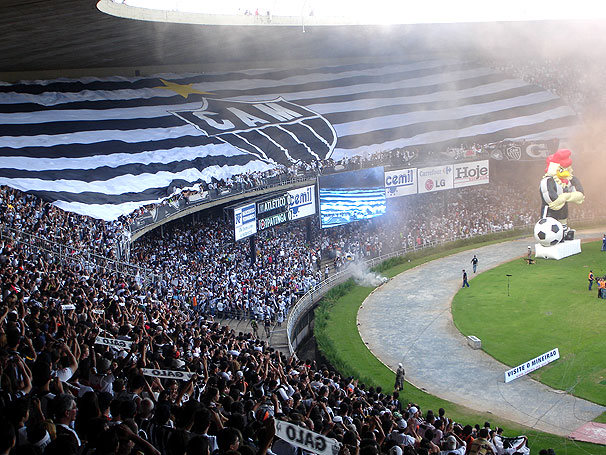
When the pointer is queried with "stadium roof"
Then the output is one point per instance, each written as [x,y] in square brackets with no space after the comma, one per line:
[49,38]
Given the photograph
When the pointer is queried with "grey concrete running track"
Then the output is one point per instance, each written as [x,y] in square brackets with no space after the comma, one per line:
[408,320]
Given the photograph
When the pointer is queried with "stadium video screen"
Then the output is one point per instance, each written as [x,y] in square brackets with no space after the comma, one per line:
[351,196]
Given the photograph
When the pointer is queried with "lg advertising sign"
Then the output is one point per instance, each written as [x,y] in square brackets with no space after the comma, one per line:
[472,173]
[435,178]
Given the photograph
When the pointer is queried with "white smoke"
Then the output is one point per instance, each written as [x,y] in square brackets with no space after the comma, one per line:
[364,276]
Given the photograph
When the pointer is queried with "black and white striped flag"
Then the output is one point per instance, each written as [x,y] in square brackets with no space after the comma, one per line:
[105,146]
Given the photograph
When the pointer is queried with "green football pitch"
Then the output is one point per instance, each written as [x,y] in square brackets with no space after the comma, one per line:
[549,306]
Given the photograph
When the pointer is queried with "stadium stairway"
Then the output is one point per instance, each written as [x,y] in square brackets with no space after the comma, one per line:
[277,337]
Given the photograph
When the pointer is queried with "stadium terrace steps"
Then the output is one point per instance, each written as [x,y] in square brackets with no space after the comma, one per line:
[277,338]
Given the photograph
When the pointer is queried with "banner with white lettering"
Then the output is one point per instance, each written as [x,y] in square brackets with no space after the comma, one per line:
[170,374]
[532,365]
[401,183]
[272,211]
[68,306]
[306,439]
[245,221]
[113,342]
[435,178]
[471,173]
[302,202]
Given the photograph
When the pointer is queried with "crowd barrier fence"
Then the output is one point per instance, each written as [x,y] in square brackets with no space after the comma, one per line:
[66,254]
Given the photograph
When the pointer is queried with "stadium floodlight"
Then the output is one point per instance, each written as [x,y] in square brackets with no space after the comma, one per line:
[342,12]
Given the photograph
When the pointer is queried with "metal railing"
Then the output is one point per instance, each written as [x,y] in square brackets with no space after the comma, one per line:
[163,211]
[70,255]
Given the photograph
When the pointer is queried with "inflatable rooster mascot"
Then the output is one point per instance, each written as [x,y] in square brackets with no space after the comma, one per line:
[558,188]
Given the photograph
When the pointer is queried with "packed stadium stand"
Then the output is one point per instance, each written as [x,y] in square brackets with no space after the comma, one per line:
[116,330]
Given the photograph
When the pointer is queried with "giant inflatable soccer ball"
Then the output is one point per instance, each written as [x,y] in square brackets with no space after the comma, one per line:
[548,231]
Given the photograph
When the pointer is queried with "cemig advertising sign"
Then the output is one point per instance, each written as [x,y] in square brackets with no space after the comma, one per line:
[401,183]
[245,221]
[435,178]
[302,202]
[471,173]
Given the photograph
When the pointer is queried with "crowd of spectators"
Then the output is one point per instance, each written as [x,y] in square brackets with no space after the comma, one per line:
[577,79]
[28,213]
[63,393]
[427,219]
[199,261]
[240,183]
[250,181]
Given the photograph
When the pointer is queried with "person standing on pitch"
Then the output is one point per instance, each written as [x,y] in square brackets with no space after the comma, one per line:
[399,378]
[474,263]
[604,243]
[465,283]
[254,326]
[267,327]
[590,279]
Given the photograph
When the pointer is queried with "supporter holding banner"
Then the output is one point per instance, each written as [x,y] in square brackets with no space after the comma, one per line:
[113,342]
[198,196]
[169,374]
[306,439]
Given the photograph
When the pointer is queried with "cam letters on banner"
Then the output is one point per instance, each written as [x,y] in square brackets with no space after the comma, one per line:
[157,373]
[306,439]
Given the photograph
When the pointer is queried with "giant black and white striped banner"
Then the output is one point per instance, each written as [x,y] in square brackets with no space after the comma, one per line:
[105,146]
